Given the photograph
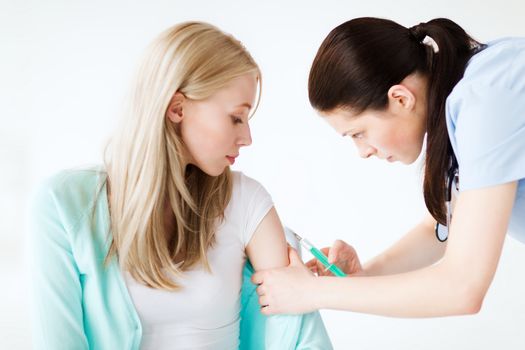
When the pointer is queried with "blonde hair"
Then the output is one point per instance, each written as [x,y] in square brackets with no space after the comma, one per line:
[144,158]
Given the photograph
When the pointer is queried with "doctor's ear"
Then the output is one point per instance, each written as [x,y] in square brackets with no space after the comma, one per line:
[400,97]
[175,111]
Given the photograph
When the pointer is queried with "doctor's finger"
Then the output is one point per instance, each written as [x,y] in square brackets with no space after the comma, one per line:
[263,301]
[311,263]
[260,290]
[258,278]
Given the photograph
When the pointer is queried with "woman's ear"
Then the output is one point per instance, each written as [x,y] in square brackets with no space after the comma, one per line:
[175,111]
[401,98]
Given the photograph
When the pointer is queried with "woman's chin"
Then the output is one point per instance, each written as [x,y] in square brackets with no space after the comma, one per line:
[213,171]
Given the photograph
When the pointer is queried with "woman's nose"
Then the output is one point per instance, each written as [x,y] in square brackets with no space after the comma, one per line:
[245,138]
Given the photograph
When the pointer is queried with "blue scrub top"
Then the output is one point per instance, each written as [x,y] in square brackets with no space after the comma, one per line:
[485,115]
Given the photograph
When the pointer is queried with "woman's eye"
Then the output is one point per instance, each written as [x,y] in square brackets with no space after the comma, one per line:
[236,120]
[358,135]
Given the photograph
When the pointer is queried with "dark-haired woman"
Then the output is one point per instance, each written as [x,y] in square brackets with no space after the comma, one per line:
[387,87]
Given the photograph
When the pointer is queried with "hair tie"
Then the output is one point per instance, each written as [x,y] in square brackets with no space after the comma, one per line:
[428,41]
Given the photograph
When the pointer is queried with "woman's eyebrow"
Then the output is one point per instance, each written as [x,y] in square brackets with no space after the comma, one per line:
[245,104]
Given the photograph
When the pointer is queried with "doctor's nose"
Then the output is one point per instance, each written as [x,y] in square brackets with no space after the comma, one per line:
[366,151]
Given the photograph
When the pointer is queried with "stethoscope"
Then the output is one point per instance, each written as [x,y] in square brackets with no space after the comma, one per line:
[452,180]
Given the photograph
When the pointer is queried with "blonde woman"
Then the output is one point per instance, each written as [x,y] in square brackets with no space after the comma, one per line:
[148,251]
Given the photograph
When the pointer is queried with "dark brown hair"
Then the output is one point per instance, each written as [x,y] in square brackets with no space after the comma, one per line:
[361,59]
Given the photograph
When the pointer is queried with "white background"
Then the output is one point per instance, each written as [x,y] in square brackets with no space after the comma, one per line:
[66,65]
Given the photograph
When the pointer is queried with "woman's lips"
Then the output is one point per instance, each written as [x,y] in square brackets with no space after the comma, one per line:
[231,159]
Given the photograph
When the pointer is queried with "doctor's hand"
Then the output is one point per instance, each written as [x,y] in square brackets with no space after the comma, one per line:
[341,254]
[286,290]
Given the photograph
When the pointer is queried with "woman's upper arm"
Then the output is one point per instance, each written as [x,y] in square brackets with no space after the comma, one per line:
[55,282]
[267,248]
[477,232]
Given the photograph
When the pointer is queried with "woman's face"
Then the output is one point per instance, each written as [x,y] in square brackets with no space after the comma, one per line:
[214,130]
[380,134]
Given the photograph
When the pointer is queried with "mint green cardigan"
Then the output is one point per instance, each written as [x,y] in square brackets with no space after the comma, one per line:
[78,303]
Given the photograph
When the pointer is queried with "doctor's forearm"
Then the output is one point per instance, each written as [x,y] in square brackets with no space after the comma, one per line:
[429,292]
[416,249]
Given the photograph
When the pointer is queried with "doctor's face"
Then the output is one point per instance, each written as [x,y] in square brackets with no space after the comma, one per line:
[387,134]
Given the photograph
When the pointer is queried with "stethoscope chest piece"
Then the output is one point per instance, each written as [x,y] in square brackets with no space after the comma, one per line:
[453,180]
[441,232]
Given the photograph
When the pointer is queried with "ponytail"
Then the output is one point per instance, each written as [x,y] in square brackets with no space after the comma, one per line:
[445,68]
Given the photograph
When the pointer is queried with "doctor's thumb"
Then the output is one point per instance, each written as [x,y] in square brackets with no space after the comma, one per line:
[333,253]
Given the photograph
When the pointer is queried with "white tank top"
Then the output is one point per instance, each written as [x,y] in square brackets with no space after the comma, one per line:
[204,314]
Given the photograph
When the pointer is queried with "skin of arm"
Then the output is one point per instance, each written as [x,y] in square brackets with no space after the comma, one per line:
[416,249]
[455,285]
[268,248]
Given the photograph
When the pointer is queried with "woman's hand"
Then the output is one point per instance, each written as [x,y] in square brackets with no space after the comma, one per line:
[341,254]
[287,290]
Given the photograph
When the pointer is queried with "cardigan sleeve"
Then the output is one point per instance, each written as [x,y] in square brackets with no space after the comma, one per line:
[56,290]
